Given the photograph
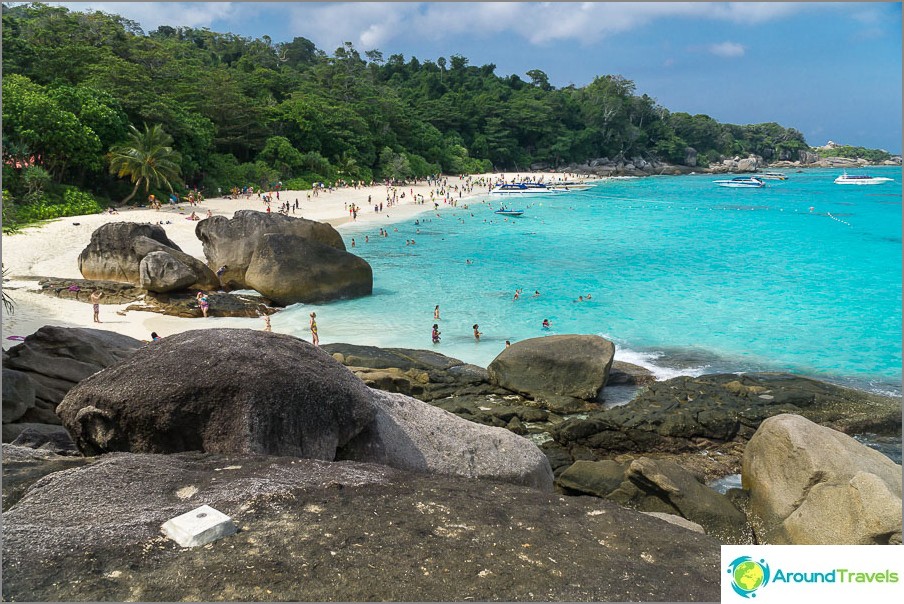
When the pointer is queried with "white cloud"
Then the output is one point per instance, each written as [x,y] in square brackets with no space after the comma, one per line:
[151,15]
[728,50]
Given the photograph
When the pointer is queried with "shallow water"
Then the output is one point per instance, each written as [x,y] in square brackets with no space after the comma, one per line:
[685,277]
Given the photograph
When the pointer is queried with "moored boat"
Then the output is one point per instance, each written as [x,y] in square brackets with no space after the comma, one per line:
[741,182]
[506,212]
[522,188]
[861,179]
[773,176]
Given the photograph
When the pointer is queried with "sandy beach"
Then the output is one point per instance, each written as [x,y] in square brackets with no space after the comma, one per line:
[51,249]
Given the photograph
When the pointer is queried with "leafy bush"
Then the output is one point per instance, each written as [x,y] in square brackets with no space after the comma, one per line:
[297,184]
[873,155]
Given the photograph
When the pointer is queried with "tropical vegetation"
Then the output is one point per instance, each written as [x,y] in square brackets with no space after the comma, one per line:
[92,102]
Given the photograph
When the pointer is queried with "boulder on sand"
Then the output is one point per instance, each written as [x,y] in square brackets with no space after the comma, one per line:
[289,269]
[232,242]
[813,485]
[222,391]
[161,272]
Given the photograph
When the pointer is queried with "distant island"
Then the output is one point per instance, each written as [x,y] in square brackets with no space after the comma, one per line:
[98,112]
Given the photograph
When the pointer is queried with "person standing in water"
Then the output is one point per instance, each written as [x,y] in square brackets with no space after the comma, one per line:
[315,339]
[477,333]
[267,326]
[436,312]
[435,334]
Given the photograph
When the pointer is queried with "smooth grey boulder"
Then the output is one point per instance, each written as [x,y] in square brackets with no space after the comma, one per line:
[110,255]
[221,391]
[289,269]
[161,272]
[204,278]
[813,485]
[314,531]
[412,435]
[18,395]
[232,242]
[575,366]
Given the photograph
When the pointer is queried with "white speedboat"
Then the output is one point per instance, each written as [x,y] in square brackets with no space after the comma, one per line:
[861,179]
[741,182]
[506,212]
[522,188]
[773,176]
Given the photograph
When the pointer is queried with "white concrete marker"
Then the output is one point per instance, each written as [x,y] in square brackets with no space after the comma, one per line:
[198,527]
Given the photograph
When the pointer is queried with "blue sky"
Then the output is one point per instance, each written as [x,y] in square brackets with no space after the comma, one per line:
[831,70]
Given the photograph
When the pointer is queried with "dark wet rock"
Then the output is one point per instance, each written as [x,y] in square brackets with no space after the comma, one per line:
[412,435]
[628,374]
[554,367]
[342,531]
[56,358]
[289,269]
[56,441]
[81,290]
[675,414]
[813,485]
[161,272]
[18,395]
[659,486]
[223,391]
[232,242]
[23,466]
[222,304]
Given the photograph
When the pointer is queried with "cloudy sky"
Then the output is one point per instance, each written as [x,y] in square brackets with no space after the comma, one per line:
[831,70]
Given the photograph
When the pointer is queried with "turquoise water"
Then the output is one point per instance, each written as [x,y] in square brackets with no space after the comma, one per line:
[685,277]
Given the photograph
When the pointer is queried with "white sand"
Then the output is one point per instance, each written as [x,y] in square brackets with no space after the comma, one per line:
[52,250]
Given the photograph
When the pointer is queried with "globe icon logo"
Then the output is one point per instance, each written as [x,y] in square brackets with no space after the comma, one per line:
[748,575]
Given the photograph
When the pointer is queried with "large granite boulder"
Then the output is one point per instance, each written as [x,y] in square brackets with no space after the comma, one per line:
[314,531]
[289,269]
[18,395]
[222,391]
[748,164]
[161,272]
[412,435]
[117,248]
[232,242]
[55,359]
[814,485]
[204,278]
[659,485]
[555,367]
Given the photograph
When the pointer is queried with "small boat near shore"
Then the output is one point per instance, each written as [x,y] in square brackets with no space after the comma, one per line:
[741,182]
[773,176]
[861,179]
[523,188]
[507,212]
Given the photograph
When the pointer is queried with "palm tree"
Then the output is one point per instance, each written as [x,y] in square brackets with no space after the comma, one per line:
[146,157]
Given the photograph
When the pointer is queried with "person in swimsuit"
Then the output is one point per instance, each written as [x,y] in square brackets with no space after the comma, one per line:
[203,303]
[545,323]
[315,339]
[436,312]
[267,326]
[477,333]
[95,300]
[435,333]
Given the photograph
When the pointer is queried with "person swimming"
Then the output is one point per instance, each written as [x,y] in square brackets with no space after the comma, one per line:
[545,323]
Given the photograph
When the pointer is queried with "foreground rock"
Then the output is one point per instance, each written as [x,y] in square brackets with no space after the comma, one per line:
[563,371]
[286,259]
[117,249]
[411,435]
[55,359]
[814,485]
[220,390]
[343,531]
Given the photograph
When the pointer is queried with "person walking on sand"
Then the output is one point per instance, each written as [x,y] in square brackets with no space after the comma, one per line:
[203,303]
[315,339]
[435,334]
[95,300]
[267,326]
[436,312]
[477,333]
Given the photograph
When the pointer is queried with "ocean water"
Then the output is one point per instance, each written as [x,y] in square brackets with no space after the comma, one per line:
[683,276]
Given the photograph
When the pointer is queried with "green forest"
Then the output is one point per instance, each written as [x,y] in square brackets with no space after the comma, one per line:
[98,112]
